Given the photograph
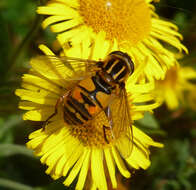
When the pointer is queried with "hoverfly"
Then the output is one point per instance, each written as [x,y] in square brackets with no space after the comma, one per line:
[95,87]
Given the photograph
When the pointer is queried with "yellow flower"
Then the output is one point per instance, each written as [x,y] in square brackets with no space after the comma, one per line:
[76,151]
[133,24]
[177,83]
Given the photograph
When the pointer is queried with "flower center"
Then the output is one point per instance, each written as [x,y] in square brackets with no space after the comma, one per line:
[97,132]
[126,20]
[170,78]
[94,133]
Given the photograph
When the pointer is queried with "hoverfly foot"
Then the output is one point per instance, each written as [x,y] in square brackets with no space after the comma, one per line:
[47,121]
[104,133]
[45,124]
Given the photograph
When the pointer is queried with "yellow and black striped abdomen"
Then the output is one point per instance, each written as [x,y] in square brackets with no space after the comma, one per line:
[86,100]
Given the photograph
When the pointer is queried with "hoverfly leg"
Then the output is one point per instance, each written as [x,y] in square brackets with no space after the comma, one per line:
[47,120]
[60,100]
[51,116]
[104,133]
[109,116]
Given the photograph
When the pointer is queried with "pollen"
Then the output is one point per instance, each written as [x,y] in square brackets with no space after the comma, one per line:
[125,20]
[92,134]
[96,133]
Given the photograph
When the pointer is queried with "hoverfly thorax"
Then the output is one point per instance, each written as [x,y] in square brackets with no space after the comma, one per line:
[119,66]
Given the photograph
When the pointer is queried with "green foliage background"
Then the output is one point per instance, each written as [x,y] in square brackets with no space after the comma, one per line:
[173,168]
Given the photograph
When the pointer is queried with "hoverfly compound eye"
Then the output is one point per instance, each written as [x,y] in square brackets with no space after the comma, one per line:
[131,64]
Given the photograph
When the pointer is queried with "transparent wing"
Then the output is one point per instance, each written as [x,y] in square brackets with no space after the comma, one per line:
[121,124]
[64,71]
[73,65]
[114,123]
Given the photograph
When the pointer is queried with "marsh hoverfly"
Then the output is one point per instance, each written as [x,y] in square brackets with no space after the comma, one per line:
[95,87]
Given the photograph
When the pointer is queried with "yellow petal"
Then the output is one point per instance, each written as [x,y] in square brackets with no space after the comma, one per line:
[62,26]
[58,10]
[37,97]
[75,170]
[171,99]
[52,19]
[76,154]
[138,159]
[145,138]
[120,164]
[42,83]
[38,115]
[111,167]
[84,170]
[97,169]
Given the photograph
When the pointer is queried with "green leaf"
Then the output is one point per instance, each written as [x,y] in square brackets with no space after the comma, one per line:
[149,121]
[174,184]
[9,184]
[10,149]
[11,122]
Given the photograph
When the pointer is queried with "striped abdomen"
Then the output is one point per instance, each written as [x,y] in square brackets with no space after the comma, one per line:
[86,100]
